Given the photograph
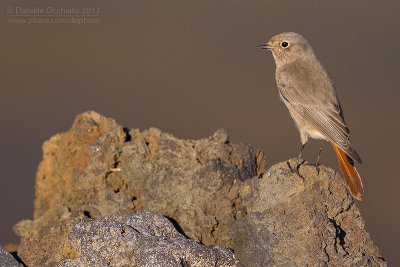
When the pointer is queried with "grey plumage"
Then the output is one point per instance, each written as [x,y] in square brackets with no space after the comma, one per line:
[308,92]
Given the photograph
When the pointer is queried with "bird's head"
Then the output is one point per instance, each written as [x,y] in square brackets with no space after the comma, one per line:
[287,47]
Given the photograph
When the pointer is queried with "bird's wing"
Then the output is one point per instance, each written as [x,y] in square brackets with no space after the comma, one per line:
[314,98]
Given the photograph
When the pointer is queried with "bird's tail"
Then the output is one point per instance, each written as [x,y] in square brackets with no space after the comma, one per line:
[353,179]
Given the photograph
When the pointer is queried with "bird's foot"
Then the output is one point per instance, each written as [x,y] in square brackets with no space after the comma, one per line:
[296,168]
[317,167]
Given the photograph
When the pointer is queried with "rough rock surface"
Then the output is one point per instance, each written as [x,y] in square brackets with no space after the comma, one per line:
[143,239]
[301,219]
[7,260]
[215,192]
[100,168]
[51,248]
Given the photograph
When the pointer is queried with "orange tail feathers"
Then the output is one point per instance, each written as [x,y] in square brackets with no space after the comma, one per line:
[353,179]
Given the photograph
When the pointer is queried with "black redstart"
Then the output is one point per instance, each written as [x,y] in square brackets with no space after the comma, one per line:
[311,98]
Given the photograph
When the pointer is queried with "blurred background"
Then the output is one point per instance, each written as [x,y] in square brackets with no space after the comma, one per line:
[191,67]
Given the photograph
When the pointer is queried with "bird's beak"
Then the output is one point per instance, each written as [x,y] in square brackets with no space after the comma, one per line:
[266,46]
[263,46]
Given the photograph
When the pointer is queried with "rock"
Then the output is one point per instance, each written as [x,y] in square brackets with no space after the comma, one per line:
[101,168]
[51,248]
[214,192]
[7,260]
[143,239]
[305,219]
[11,247]
[73,174]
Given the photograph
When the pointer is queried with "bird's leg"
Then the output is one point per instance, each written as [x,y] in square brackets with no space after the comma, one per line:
[301,151]
[299,162]
[319,156]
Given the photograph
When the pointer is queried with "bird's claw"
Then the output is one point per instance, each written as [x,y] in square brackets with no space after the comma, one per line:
[317,167]
[296,168]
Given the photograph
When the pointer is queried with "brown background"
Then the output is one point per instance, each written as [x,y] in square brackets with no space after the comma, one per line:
[191,67]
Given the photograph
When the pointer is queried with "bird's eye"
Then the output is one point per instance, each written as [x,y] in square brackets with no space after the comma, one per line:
[284,44]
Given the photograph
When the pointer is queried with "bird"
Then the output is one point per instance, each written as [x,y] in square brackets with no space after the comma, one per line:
[311,98]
